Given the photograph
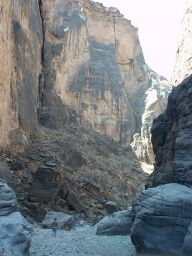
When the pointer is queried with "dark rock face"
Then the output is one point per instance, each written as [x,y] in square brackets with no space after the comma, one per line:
[162,215]
[171,138]
[45,186]
[118,223]
[74,202]
[14,236]
[162,220]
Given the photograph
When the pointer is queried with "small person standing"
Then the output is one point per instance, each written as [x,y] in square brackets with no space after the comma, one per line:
[54,227]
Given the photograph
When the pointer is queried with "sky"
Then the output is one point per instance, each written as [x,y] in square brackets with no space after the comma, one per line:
[159,26]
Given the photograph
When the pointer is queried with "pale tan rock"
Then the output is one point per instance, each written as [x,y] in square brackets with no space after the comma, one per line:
[20,61]
[183,66]
[97,77]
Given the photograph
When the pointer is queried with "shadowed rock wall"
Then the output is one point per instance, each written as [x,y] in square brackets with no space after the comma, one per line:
[20,61]
[75,63]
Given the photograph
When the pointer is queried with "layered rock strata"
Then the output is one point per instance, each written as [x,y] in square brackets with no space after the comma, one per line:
[14,235]
[76,63]
[162,220]
[171,137]
[20,61]
[95,76]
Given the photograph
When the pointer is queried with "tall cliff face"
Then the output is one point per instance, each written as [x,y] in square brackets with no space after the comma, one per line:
[171,131]
[20,60]
[171,137]
[75,63]
[183,66]
[95,75]
[93,64]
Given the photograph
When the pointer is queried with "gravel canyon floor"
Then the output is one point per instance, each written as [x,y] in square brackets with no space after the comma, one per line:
[79,242]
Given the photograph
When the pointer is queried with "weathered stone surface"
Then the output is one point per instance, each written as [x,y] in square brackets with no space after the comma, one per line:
[155,101]
[118,223]
[72,62]
[74,201]
[95,75]
[187,244]
[45,186]
[171,138]
[65,221]
[20,61]
[5,172]
[14,236]
[162,218]
[183,66]
[111,207]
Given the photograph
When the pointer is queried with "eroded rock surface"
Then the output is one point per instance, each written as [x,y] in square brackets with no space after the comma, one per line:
[171,137]
[14,235]
[118,223]
[75,63]
[183,66]
[162,219]
[95,75]
[20,61]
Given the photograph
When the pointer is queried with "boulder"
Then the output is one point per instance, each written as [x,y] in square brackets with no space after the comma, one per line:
[14,234]
[65,221]
[5,172]
[45,186]
[74,202]
[111,207]
[118,223]
[162,220]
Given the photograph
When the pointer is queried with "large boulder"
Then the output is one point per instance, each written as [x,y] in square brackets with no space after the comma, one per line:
[14,234]
[118,223]
[162,220]
[65,221]
[45,186]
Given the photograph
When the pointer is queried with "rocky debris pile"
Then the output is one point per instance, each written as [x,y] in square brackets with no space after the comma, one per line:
[65,221]
[14,234]
[78,170]
[118,223]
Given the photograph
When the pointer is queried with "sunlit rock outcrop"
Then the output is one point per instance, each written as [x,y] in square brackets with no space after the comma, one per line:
[76,63]
[183,66]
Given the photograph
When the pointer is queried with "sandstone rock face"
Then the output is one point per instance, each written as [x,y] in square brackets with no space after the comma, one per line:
[14,236]
[76,63]
[155,101]
[20,60]
[95,75]
[162,220]
[183,66]
[171,137]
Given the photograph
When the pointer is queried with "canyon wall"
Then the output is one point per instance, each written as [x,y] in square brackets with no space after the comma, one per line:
[171,131]
[20,60]
[183,65]
[75,63]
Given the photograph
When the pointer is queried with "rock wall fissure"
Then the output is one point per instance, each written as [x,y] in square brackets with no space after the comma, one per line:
[41,77]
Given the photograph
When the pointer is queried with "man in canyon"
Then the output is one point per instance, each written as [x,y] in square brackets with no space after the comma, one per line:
[54,227]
